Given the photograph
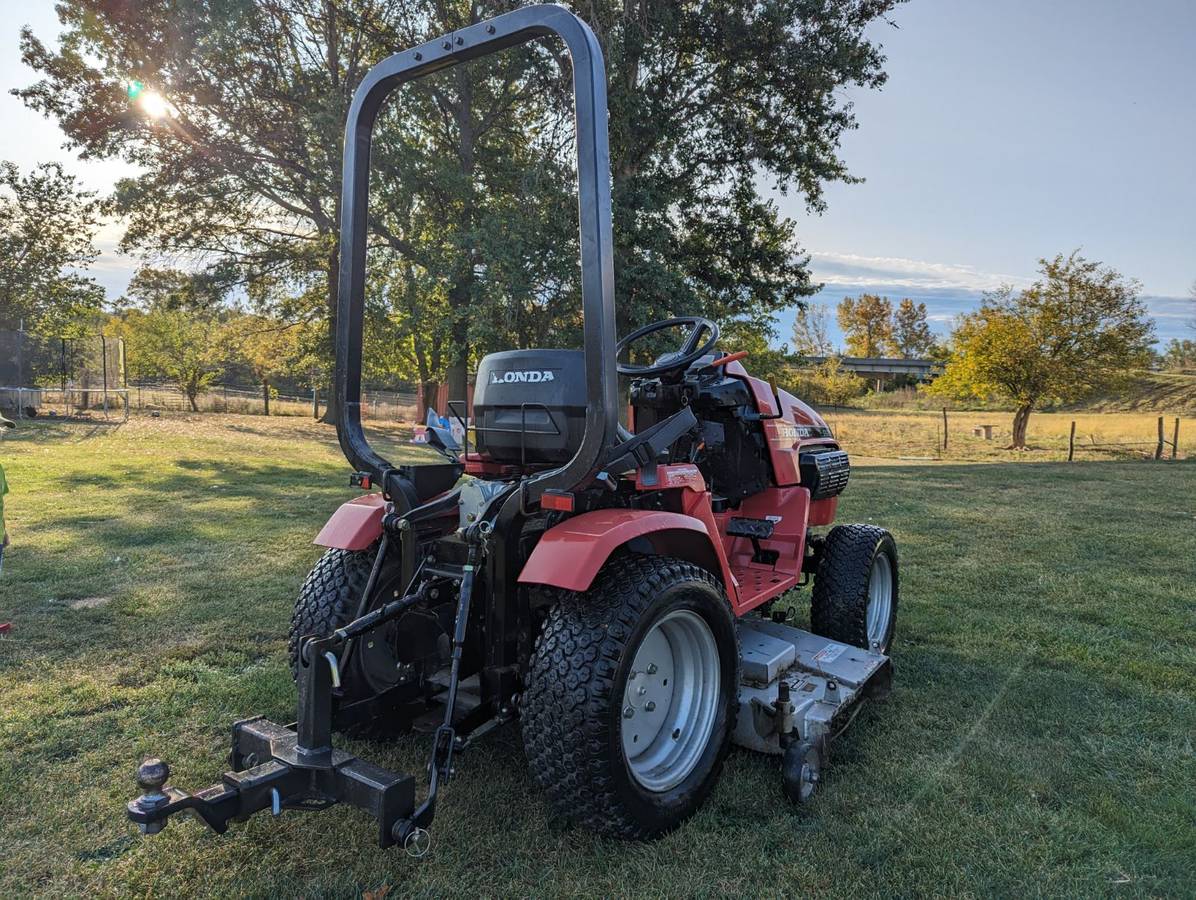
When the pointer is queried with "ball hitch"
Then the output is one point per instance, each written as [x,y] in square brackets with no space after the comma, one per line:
[152,776]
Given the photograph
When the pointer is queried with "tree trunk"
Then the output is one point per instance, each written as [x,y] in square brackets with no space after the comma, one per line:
[429,391]
[332,403]
[191,395]
[266,396]
[458,374]
[1021,419]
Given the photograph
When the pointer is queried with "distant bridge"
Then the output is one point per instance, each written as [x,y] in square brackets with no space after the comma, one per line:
[879,366]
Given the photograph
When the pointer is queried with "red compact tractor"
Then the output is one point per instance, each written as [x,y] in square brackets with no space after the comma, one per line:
[609,589]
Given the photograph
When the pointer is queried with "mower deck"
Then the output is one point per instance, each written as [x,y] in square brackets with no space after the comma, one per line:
[819,678]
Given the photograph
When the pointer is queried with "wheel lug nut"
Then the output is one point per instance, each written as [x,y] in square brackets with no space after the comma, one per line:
[650,705]
[628,712]
[642,691]
[652,669]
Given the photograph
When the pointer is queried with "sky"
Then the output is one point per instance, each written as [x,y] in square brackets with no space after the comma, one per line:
[1007,131]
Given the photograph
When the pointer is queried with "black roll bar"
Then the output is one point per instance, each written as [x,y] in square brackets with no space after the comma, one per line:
[593,197]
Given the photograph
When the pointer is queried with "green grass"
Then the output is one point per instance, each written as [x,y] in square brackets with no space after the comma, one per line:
[1039,739]
[1158,392]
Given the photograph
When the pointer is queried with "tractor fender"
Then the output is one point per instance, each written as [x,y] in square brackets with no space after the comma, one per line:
[570,555]
[355,525]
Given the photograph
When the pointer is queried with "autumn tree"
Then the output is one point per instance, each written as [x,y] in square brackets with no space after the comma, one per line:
[835,385]
[268,348]
[867,324]
[46,228]
[1075,329]
[911,331]
[811,331]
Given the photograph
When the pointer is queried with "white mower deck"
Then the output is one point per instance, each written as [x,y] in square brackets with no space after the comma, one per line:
[824,678]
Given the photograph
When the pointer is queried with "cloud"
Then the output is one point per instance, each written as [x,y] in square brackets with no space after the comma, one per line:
[905,274]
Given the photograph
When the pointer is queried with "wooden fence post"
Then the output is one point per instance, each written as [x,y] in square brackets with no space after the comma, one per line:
[1175,440]
[1158,450]
[944,428]
[1071,442]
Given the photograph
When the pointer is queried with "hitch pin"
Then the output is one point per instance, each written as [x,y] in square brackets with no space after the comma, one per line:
[275,802]
[335,666]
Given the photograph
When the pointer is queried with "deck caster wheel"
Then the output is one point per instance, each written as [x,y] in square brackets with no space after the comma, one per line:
[801,771]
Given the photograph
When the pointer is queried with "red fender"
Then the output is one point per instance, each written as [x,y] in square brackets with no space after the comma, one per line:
[570,554]
[355,525]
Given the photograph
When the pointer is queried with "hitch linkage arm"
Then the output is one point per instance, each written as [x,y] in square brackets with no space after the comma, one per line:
[441,766]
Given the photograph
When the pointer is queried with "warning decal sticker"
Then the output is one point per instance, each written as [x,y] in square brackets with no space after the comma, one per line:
[829,653]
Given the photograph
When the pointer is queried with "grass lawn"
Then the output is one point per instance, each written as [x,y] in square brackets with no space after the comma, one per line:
[1039,739]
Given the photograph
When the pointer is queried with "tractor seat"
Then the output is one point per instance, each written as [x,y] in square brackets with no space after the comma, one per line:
[529,406]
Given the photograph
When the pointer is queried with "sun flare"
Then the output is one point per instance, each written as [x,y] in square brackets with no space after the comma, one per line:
[155,105]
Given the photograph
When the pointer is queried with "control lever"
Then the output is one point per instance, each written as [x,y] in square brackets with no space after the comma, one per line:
[642,451]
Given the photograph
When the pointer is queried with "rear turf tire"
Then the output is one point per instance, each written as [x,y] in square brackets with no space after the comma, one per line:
[328,600]
[572,711]
[856,563]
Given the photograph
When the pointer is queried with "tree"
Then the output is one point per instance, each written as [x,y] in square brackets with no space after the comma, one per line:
[811,331]
[268,348]
[834,384]
[708,103]
[174,289]
[1075,329]
[1179,355]
[911,331]
[184,347]
[867,325]
[242,165]
[46,228]
[241,146]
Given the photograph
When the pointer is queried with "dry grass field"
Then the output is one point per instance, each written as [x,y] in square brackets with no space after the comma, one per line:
[893,434]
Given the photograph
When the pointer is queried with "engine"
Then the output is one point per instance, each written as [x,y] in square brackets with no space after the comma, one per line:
[529,406]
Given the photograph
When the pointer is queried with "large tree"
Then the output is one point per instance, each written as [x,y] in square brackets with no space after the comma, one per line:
[710,101]
[238,120]
[46,228]
[1076,328]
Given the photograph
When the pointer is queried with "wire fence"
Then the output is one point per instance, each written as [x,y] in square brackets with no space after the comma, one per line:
[391,406]
[111,404]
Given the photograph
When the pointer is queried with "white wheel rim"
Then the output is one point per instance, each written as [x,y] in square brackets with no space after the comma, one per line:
[880,600]
[670,702]
[811,770]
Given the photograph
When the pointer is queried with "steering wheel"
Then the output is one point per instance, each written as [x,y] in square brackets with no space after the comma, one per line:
[678,360]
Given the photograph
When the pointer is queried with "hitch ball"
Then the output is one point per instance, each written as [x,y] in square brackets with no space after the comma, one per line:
[152,776]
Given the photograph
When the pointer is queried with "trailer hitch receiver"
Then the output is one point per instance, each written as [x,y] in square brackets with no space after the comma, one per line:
[280,767]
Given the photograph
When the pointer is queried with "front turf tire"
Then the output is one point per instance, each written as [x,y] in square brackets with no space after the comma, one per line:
[854,564]
[573,707]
